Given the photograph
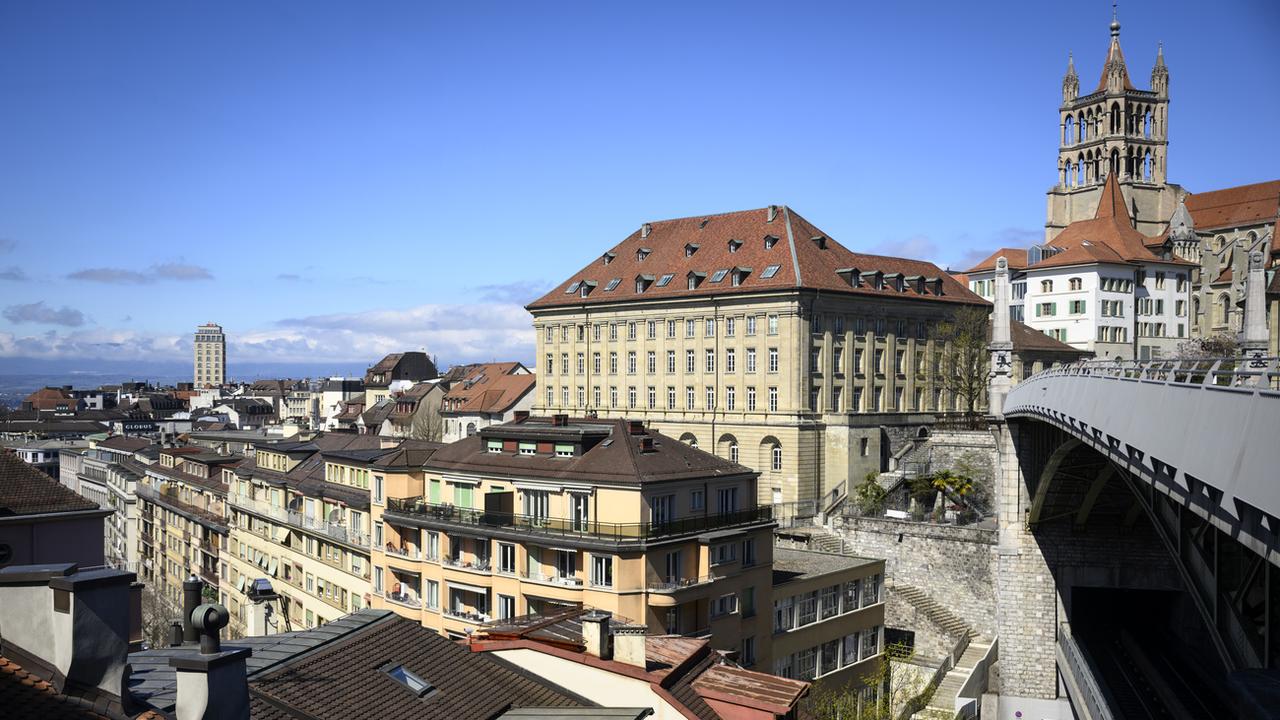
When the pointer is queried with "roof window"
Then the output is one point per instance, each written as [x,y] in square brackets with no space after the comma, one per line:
[613,285]
[408,679]
[770,271]
[665,280]
[572,288]
[719,275]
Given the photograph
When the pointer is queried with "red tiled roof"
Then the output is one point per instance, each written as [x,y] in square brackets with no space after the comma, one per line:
[49,398]
[1107,238]
[1017,258]
[1235,206]
[804,256]
[491,388]
[24,490]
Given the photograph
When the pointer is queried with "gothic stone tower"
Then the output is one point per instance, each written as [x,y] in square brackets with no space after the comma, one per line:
[1116,128]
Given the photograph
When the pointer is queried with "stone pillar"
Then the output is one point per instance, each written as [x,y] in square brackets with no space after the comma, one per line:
[1001,343]
[1253,338]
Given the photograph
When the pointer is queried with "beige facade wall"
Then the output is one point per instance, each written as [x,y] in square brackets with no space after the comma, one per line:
[847,625]
[872,357]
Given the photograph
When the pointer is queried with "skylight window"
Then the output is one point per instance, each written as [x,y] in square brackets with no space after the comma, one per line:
[407,678]
[572,288]
[613,285]
[662,281]
[719,275]
[770,271]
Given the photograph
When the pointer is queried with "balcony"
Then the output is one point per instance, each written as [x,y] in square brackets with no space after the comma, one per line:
[407,553]
[415,508]
[477,566]
[337,531]
[668,585]
[404,599]
[467,616]
[569,581]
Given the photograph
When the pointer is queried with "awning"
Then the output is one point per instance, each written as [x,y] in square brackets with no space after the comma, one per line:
[274,566]
[469,588]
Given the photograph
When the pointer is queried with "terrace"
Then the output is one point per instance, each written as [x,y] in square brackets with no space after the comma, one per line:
[417,511]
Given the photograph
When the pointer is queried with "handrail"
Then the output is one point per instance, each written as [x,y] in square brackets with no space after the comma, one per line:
[1260,374]
[574,527]
[1080,672]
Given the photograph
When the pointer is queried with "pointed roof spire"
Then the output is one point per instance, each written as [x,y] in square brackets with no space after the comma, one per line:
[1181,227]
[1112,204]
[1115,58]
[1160,55]
[1071,64]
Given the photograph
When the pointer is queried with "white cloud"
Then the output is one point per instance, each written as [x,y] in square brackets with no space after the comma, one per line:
[454,333]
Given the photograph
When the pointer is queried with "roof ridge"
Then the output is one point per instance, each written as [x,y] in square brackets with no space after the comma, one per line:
[791,242]
[710,215]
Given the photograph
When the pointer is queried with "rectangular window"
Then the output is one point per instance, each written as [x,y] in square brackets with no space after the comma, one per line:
[506,607]
[602,570]
[773,399]
[751,325]
[631,362]
[671,397]
[537,505]
[690,399]
[652,397]
[671,328]
[613,363]
[631,397]
[651,364]
[751,399]
[711,398]
[807,610]
[662,509]
[528,448]
[829,603]
[729,326]
[652,329]
[751,360]
[690,328]
[730,361]
[564,450]
[730,397]
[690,361]
[773,360]
[773,325]
[433,594]
[696,500]
[631,330]
[727,500]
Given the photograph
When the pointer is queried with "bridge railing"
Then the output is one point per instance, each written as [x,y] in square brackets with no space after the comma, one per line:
[1237,373]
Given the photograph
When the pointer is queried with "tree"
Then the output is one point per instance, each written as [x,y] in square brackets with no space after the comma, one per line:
[427,423]
[966,359]
[1218,345]
[869,497]
[158,615]
[898,692]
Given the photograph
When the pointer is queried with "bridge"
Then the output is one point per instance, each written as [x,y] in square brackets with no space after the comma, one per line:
[1150,492]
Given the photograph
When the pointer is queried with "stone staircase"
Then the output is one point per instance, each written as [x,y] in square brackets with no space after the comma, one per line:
[943,702]
[816,538]
[939,615]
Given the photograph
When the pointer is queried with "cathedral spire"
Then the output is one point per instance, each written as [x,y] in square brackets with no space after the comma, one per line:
[1160,74]
[1070,81]
[1115,76]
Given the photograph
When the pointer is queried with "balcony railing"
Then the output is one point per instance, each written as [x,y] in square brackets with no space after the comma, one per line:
[337,531]
[467,616]
[473,565]
[404,552]
[673,584]
[416,507]
[403,599]
[572,581]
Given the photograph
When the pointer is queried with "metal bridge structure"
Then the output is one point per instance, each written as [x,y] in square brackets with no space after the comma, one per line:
[1188,451]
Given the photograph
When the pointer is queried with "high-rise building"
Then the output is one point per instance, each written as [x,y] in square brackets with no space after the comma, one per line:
[210,356]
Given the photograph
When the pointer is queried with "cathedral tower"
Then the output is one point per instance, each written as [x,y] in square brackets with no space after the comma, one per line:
[1115,128]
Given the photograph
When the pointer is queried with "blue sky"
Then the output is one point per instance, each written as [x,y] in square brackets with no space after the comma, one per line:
[336,181]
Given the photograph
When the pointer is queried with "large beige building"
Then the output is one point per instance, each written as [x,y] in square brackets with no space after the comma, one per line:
[210,356]
[542,515]
[753,335]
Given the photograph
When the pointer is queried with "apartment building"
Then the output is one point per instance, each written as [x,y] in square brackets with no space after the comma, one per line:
[42,521]
[489,394]
[299,517]
[95,474]
[181,494]
[752,335]
[544,515]
[396,372]
[210,349]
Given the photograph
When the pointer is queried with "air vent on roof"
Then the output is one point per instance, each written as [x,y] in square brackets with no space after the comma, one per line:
[703,223]
[773,213]
[645,229]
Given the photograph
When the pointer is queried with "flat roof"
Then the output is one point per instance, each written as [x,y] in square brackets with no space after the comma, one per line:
[790,565]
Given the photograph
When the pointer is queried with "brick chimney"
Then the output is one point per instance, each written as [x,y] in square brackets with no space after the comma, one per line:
[519,416]
[559,420]
[635,427]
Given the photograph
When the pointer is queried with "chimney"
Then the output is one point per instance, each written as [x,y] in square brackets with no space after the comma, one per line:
[628,645]
[520,416]
[646,444]
[635,427]
[559,420]
[645,229]
[212,684]
[73,627]
[596,635]
[773,213]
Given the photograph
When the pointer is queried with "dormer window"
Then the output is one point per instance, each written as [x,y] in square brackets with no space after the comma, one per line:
[586,288]
[738,274]
[851,275]
[643,282]
[613,285]
[690,249]
[874,279]
[573,288]
[608,257]
[770,241]
[936,285]
[820,241]
[734,245]
[893,281]
[665,280]
[694,279]
[494,446]
[718,275]
[642,253]
[770,271]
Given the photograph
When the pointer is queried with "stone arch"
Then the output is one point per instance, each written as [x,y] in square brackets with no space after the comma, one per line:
[1047,475]
[471,429]
[923,432]
[689,439]
[727,447]
[770,450]
[1222,309]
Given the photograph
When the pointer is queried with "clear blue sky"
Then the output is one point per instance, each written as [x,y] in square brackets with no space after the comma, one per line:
[334,181]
